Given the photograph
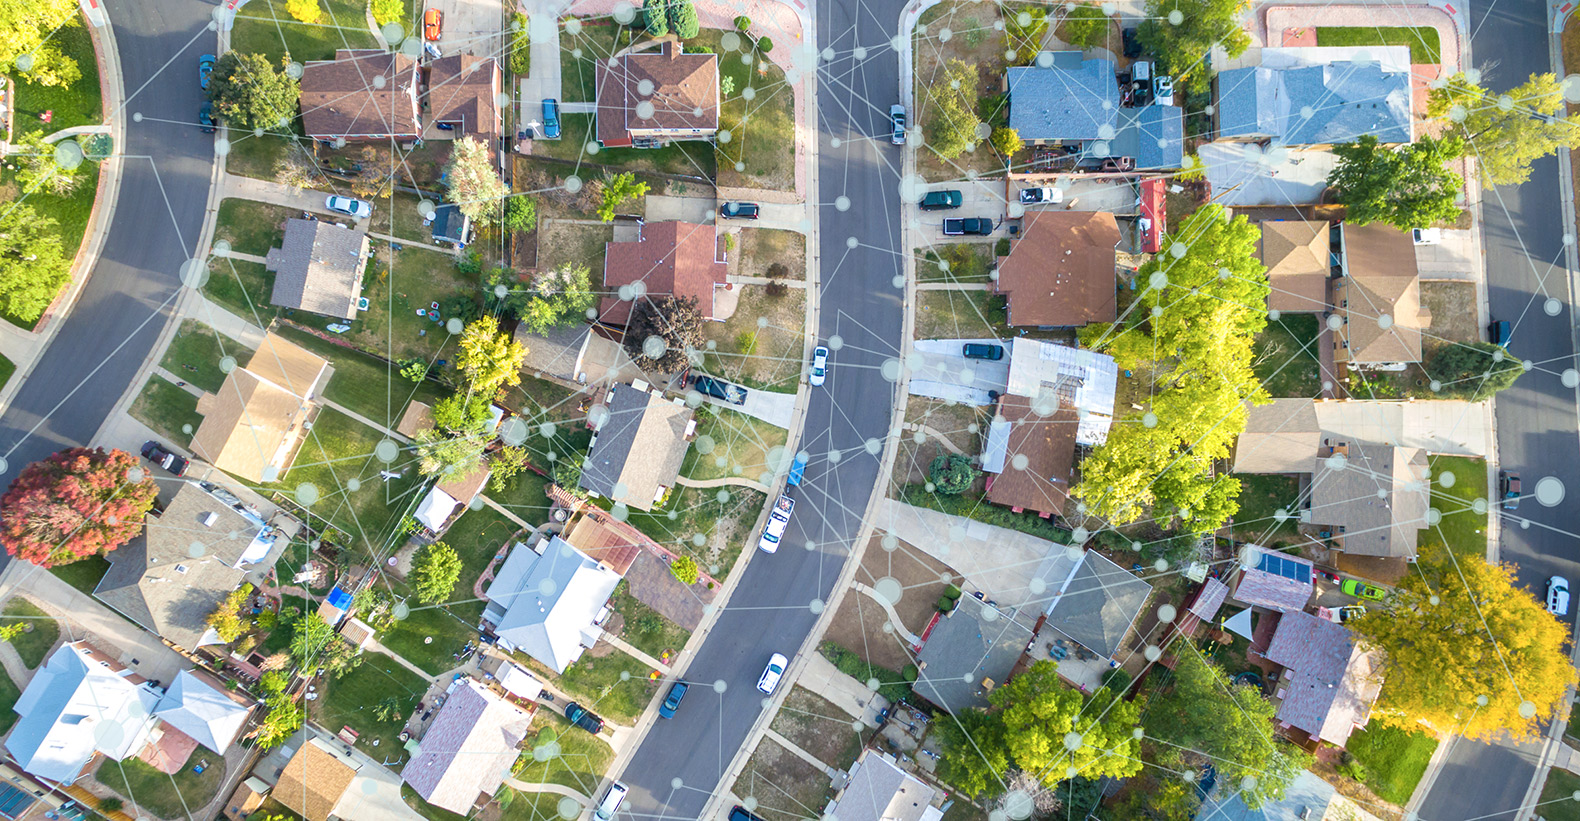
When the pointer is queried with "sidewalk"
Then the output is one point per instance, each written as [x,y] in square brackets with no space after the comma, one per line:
[854,697]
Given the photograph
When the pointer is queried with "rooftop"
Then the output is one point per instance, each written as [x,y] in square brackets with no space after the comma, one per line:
[638,448]
[1383,312]
[75,707]
[318,269]
[1279,581]
[1332,682]
[1296,256]
[200,707]
[1069,99]
[1315,96]
[545,604]
[1060,272]
[1058,376]
[976,642]
[253,425]
[670,258]
[313,781]
[878,790]
[1035,458]
[664,91]
[469,748]
[361,94]
[1376,496]
[1098,604]
[462,90]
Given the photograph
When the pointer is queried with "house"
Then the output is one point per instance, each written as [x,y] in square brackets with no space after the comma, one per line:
[1030,456]
[187,561]
[1296,255]
[1097,604]
[200,707]
[605,540]
[653,97]
[1280,434]
[1060,271]
[1372,498]
[463,95]
[246,800]
[1307,798]
[435,509]
[1378,295]
[318,268]
[253,426]
[362,95]
[680,259]
[450,227]
[314,780]
[967,653]
[1067,100]
[469,749]
[1330,681]
[1058,376]
[637,446]
[79,705]
[546,604]
[1317,97]
[877,789]
[1277,581]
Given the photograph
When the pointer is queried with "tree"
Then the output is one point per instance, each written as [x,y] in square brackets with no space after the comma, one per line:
[1086,26]
[1025,30]
[1163,459]
[32,266]
[953,122]
[1230,723]
[726,86]
[414,369]
[1007,141]
[74,504]
[683,19]
[1458,629]
[226,618]
[617,190]
[37,169]
[9,632]
[1473,371]
[951,473]
[521,213]
[765,45]
[307,11]
[249,93]
[976,757]
[568,475]
[341,657]
[489,357]
[662,331]
[1408,187]
[280,723]
[462,414]
[310,635]
[447,456]
[685,569]
[559,296]
[1506,140]
[655,16]
[743,24]
[471,181]
[387,11]
[388,709]
[507,463]
[1182,41]
[434,571]
[30,29]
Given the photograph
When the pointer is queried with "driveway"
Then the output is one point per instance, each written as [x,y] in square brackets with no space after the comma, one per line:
[663,208]
[939,370]
[773,408]
[470,27]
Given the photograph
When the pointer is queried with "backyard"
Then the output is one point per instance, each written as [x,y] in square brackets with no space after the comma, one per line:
[1458,482]
[557,753]
[9,693]
[1261,496]
[265,27]
[1394,760]
[561,242]
[761,344]
[394,325]
[169,410]
[348,701]
[39,633]
[1286,356]
[195,353]
[161,794]
[734,444]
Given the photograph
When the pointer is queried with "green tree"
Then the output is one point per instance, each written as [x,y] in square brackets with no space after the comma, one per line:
[1007,141]
[685,569]
[387,11]
[249,93]
[307,11]
[1182,40]
[341,657]
[952,122]
[388,709]
[521,213]
[683,19]
[29,29]
[1473,371]
[9,632]
[226,618]
[280,723]
[976,756]
[462,414]
[617,190]
[520,44]
[489,357]
[559,296]
[765,45]
[472,182]
[434,571]
[662,331]
[1025,30]
[414,369]
[1086,26]
[37,169]
[310,635]
[505,464]
[447,456]
[951,473]
[1407,187]
[568,475]
[1506,132]
[656,17]
[32,265]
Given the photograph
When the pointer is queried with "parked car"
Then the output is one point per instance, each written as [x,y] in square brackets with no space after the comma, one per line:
[897,118]
[206,118]
[942,200]
[677,691]
[740,210]
[982,350]
[974,226]
[1362,590]
[433,50]
[205,68]
[350,207]
[583,718]
[432,24]
[1498,333]
[778,521]
[719,389]
[1131,44]
[551,119]
[819,366]
[611,802]
[739,813]
[1558,596]
[1040,196]
[769,681]
[1163,91]
[1426,236]
[156,453]
[1509,489]
[797,468]
[1349,613]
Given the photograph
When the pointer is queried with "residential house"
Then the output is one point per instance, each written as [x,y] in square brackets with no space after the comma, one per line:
[1280,434]
[1307,798]
[968,652]
[363,95]
[1060,271]
[253,426]
[1097,604]
[1067,100]
[1276,581]
[877,789]
[1330,681]
[463,98]
[638,445]
[469,749]
[200,707]
[79,705]
[1296,255]
[319,267]
[1372,498]
[1317,97]
[450,227]
[1030,456]
[1056,376]
[680,259]
[546,603]
[1378,294]
[314,780]
[189,558]
[246,800]
[445,497]
[653,97]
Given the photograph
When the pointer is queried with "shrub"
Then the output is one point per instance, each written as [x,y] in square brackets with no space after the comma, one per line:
[414,369]
[743,23]
[470,262]
[946,604]
[1006,141]
[387,11]
[951,473]
[521,213]
[974,506]
[111,804]
[307,11]
[520,45]
[1001,248]
[685,569]
[910,673]
[1116,680]
[746,342]
[765,45]
[778,270]
[776,290]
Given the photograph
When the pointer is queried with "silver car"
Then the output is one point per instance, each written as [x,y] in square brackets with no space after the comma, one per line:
[350,207]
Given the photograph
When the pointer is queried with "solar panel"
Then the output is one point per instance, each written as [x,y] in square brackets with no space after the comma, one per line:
[1286,567]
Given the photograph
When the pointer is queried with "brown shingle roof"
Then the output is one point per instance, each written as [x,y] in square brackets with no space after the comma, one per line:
[319,267]
[670,258]
[1382,280]
[605,541]
[417,418]
[465,487]
[312,782]
[255,419]
[683,89]
[1296,256]
[343,98]
[462,90]
[1048,443]
[1060,273]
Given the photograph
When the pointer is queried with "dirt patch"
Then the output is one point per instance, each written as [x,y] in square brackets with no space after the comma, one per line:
[973,38]
[562,241]
[760,248]
[859,626]
[860,623]
[760,345]
[816,725]
[961,315]
[961,425]
[787,787]
[1453,306]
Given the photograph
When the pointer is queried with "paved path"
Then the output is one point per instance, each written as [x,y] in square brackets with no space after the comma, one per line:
[222,320]
[77,130]
[11,660]
[776,409]
[557,789]
[504,511]
[373,644]
[888,607]
[952,286]
[727,481]
[628,649]
[854,697]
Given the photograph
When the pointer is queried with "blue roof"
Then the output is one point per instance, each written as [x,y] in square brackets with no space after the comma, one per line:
[340,598]
[1154,135]
[1064,101]
[1315,105]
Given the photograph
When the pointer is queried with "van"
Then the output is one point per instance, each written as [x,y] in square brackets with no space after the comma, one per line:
[1141,72]
[611,802]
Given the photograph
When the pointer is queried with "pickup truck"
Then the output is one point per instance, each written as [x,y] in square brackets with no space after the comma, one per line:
[1041,196]
[778,520]
[974,226]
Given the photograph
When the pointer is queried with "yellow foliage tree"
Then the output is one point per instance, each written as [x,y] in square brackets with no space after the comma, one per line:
[490,358]
[307,11]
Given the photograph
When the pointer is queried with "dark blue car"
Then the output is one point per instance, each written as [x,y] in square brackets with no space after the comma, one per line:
[551,119]
[677,691]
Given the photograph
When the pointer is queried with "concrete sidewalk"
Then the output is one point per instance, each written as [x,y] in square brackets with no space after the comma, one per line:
[776,409]
[854,697]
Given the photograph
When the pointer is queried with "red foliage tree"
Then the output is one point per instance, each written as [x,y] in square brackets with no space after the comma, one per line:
[77,503]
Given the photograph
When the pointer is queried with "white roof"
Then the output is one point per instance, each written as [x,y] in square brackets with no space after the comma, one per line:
[520,682]
[76,706]
[1063,376]
[545,605]
[435,508]
[194,707]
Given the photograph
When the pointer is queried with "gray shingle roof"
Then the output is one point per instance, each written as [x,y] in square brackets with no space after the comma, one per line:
[976,641]
[1064,102]
[879,790]
[1378,493]
[1099,604]
[319,267]
[639,448]
[1154,135]
[1315,105]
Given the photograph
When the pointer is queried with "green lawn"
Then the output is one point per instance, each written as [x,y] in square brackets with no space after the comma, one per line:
[349,701]
[9,693]
[686,157]
[1286,357]
[762,127]
[366,384]
[1260,497]
[75,105]
[1462,528]
[265,27]
[169,410]
[84,574]
[244,288]
[198,346]
[252,227]
[955,262]
[390,326]
[536,806]
[1394,759]
[258,156]
[1425,49]
[526,494]
[7,370]
[961,314]
[1557,801]
[32,645]
[151,792]
[644,628]
[580,53]
[734,444]
[557,753]
[614,685]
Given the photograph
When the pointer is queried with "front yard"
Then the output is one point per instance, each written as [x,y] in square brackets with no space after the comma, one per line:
[1557,802]
[242,287]
[814,724]
[761,249]
[265,27]
[786,787]
[961,315]
[761,345]
[733,444]
[956,262]
[608,682]
[252,227]
[195,353]
[1457,483]
[161,794]
[348,701]
[719,518]
[169,410]
[1425,45]
[1394,760]
[757,128]
[975,40]
[557,753]
[644,628]
[39,634]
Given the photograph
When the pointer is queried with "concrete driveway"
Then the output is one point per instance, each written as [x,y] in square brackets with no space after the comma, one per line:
[939,370]
[662,208]
[470,27]
[773,408]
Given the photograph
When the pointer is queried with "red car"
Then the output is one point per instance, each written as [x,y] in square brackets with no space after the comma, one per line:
[432,22]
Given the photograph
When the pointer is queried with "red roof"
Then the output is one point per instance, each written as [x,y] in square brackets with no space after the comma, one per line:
[669,259]
[1154,211]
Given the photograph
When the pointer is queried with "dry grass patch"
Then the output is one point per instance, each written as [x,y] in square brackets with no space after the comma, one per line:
[787,787]
[973,39]
[760,346]
[816,725]
[1453,306]
[761,248]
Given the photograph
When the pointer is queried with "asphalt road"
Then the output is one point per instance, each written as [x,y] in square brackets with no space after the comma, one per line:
[773,609]
[164,190]
[1537,421]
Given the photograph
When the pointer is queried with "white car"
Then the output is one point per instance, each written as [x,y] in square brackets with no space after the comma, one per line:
[778,520]
[775,671]
[1558,596]
[1163,91]
[819,366]
[349,207]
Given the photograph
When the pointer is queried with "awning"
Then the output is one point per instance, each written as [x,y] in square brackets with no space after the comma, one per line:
[520,682]
[434,509]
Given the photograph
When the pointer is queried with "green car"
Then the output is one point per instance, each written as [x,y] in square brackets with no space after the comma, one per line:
[1362,590]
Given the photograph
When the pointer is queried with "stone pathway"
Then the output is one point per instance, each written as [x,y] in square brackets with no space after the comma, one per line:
[854,697]
[628,649]
[888,607]
[726,481]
